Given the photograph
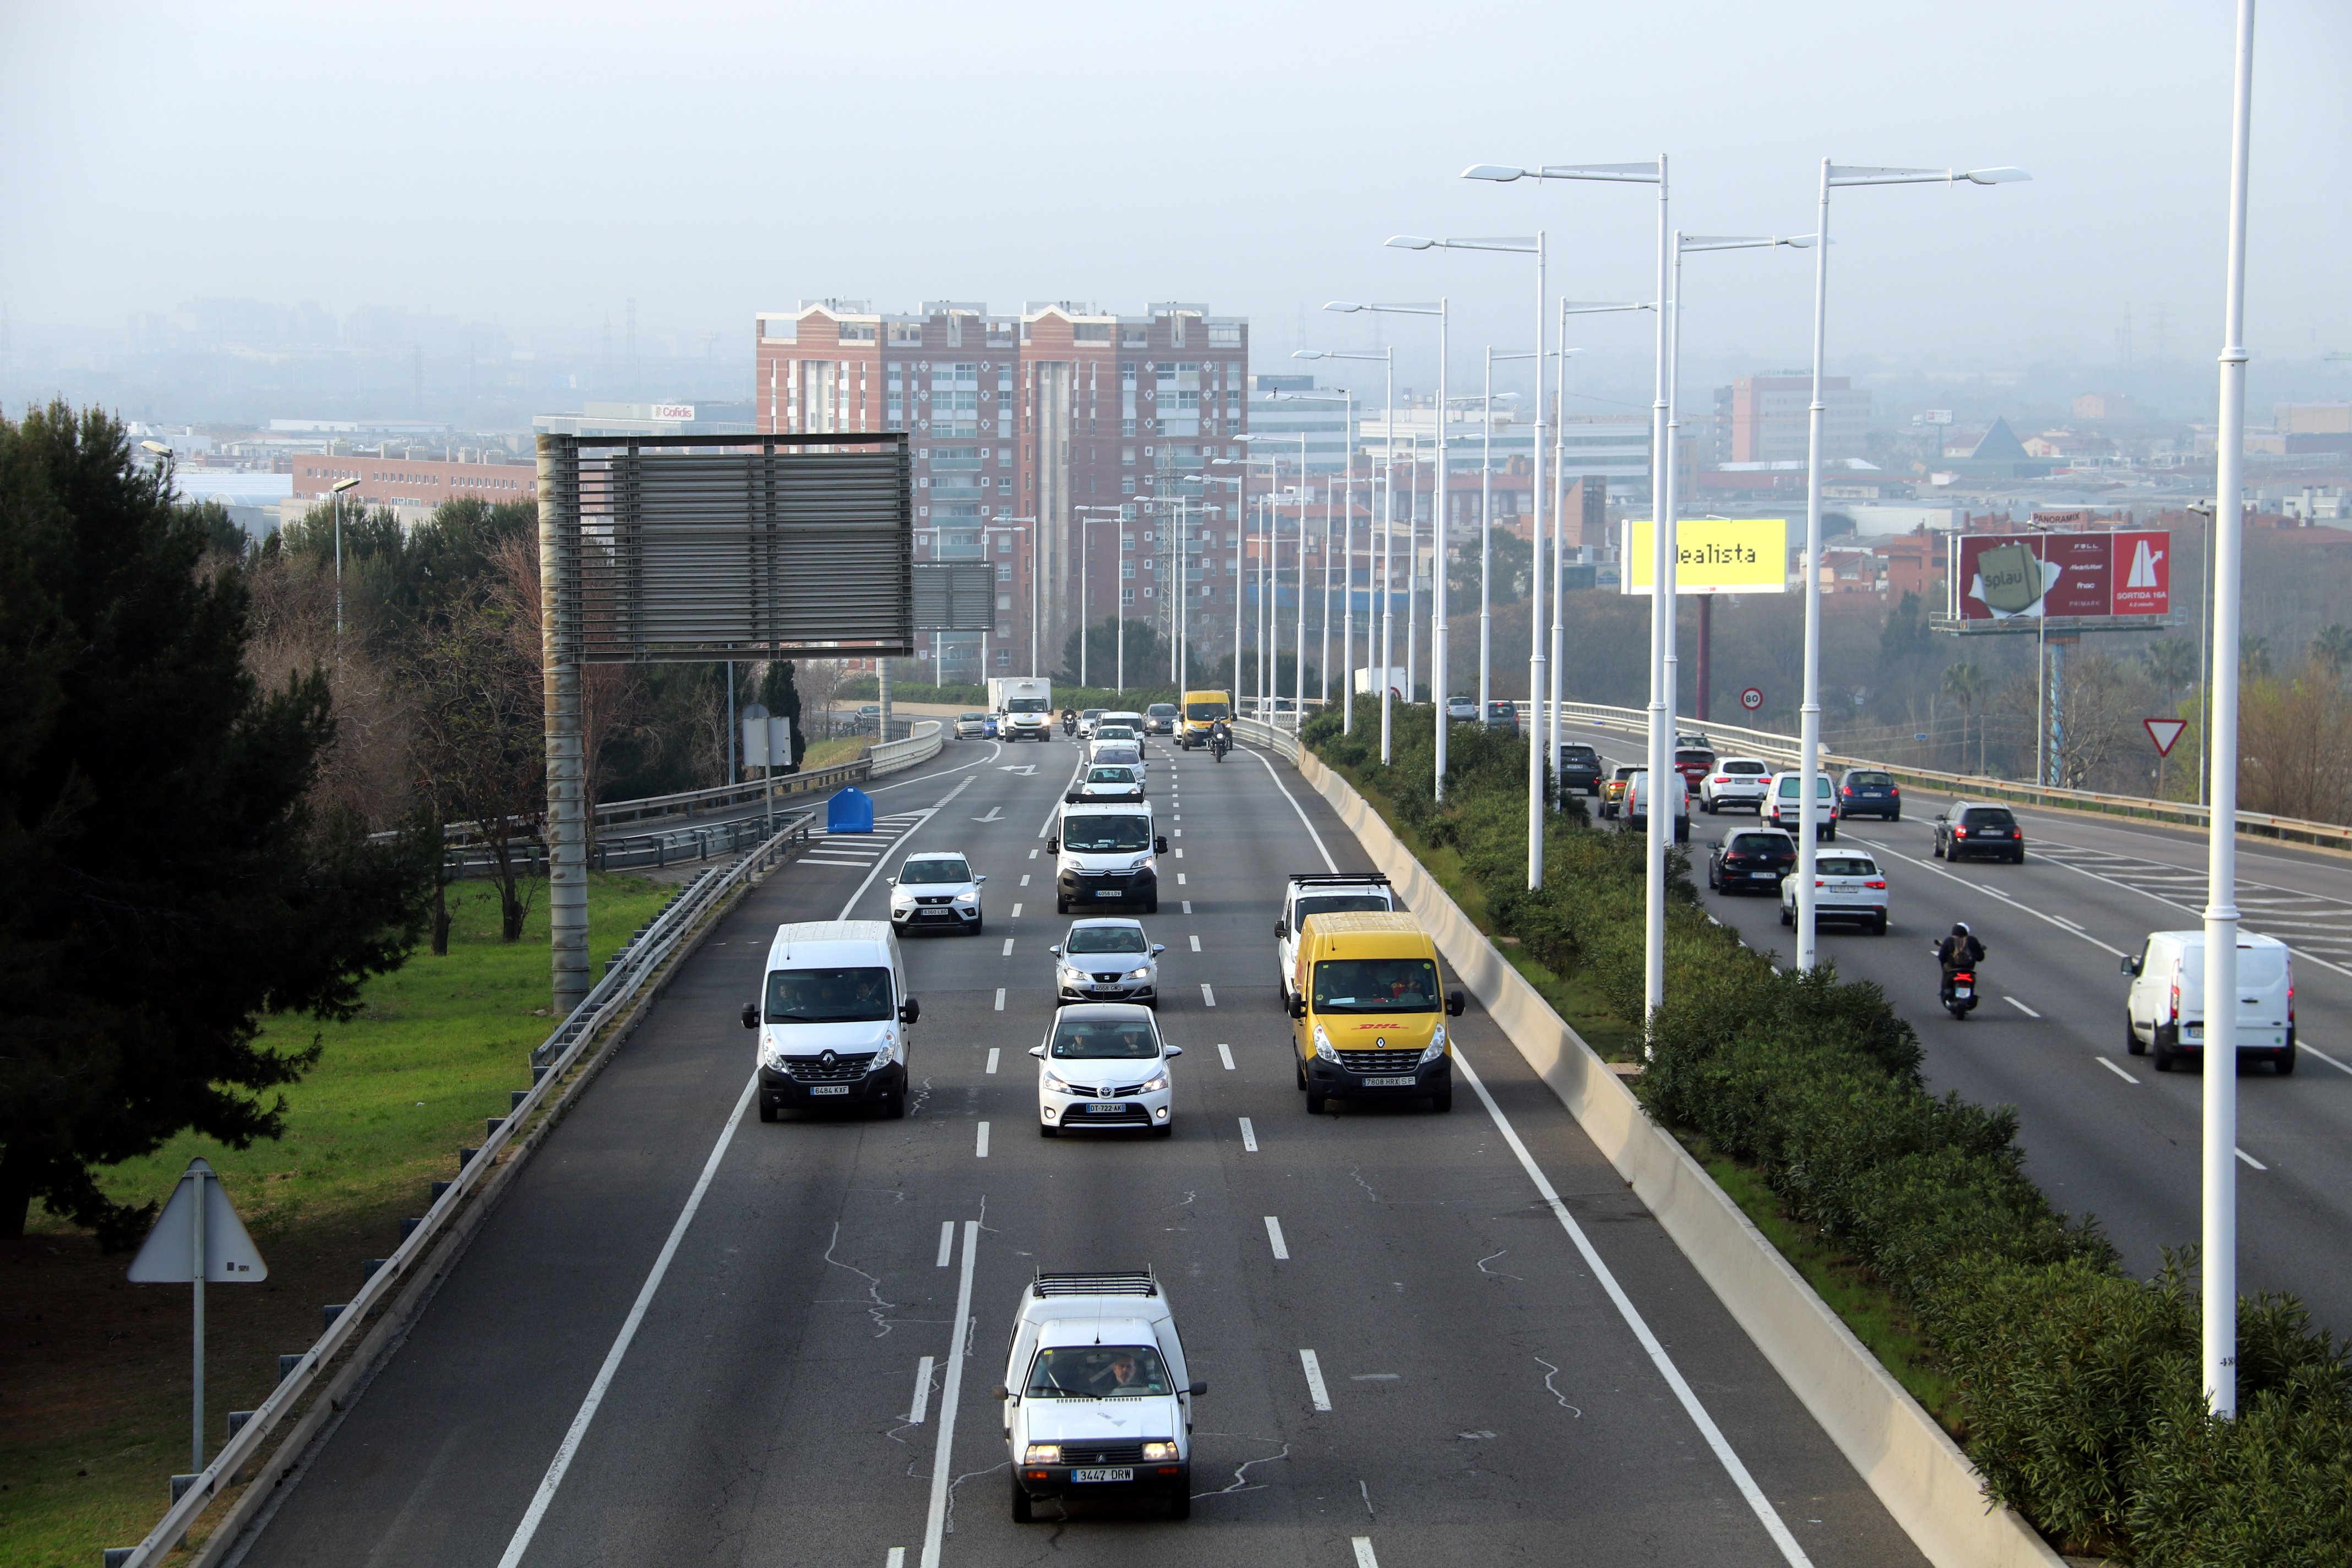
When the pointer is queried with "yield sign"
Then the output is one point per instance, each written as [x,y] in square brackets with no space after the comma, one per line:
[2165,732]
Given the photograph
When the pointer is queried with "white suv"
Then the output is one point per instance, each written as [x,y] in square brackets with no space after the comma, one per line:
[935,890]
[1103,1066]
[1735,780]
[1322,893]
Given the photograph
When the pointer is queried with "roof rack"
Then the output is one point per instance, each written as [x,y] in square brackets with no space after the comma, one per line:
[1107,1282]
[1349,877]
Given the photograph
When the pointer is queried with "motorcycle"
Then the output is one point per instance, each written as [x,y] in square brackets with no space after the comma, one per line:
[1219,744]
[1070,721]
[1960,993]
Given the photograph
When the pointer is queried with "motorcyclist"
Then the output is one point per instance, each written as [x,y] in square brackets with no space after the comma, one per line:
[1220,739]
[1958,954]
[1069,721]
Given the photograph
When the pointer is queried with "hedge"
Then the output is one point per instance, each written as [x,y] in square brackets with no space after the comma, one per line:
[2078,1386]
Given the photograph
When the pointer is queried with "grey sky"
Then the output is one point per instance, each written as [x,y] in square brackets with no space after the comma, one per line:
[540,164]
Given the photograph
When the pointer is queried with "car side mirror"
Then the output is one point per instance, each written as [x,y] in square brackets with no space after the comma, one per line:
[1056,949]
[1158,948]
[1173,1051]
[1159,845]
[910,1011]
[1941,818]
[1197,1389]
[1038,1051]
[1000,1392]
[1298,1006]
[751,1015]
[2131,963]
[1281,930]
[976,881]
[1053,845]
[1454,1003]
[889,882]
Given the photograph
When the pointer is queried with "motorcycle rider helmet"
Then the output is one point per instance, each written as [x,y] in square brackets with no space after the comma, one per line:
[1960,928]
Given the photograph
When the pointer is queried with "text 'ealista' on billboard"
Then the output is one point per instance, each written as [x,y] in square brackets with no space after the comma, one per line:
[1999,577]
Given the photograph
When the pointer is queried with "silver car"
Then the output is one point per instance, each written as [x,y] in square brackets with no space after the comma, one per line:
[1106,960]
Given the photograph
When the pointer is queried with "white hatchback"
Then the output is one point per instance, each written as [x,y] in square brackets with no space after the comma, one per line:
[1846,887]
[1106,960]
[1103,1065]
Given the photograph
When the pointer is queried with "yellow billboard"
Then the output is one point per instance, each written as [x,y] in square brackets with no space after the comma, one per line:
[1712,555]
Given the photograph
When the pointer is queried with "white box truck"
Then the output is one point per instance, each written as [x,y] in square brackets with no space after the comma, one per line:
[1024,706]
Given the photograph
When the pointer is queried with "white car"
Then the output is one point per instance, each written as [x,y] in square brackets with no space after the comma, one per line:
[1106,960]
[1735,780]
[1129,718]
[1087,719]
[1111,751]
[1847,886]
[1110,781]
[1784,796]
[1322,893]
[1461,709]
[1103,1066]
[971,726]
[935,890]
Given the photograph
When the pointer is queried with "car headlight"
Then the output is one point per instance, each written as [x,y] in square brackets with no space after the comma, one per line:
[1145,864]
[1142,973]
[1155,1083]
[968,896]
[1323,1045]
[1159,1450]
[1058,1083]
[1042,1454]
[1436,1047]
[1075,975]
[883,1055]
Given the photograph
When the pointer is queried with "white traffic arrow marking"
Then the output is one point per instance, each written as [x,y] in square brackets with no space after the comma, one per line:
[994,812]
[1026,769]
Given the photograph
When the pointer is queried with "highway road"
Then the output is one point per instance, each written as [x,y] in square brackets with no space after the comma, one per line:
[2103,1132]
[687,1337]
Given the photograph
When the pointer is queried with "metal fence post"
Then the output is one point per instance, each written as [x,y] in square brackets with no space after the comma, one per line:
[567,823]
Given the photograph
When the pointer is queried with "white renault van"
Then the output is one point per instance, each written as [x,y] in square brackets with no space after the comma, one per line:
[1105,851]
[2165,1009]
[1637,803]
[833,1018]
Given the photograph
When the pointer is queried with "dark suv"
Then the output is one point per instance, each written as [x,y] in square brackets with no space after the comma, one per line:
[1869,791]
[1580,768]
[1991,831]
[1751,860]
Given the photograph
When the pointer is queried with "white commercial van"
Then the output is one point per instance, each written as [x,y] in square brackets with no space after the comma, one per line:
[1104,852]
[1098,1399]
[833,1018]
[2165,1009]
[1637,803]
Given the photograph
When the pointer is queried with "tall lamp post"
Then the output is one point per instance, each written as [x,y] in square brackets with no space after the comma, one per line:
[1085,582]
[337,490]
[1299,618]
[1267,572]
[1386,359]
[1348,485]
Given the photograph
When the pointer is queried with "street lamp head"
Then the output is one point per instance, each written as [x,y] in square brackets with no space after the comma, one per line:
[339,486]
[1501,173]
[1308,353]
[1995,176]
[1411,242]
[1343,306]
[156,449]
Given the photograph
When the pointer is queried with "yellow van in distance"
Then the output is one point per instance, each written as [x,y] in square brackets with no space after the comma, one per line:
[1367,1020]
[1202,708]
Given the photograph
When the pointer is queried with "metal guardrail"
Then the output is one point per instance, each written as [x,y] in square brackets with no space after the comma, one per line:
[1281,740]
[690,803]
[639,960]
[922,744]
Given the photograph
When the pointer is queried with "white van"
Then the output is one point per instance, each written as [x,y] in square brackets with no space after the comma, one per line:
[1637,802]
[1098,1399]
[2164,1012]
[1106,851]
[833,1018]
[1784,799]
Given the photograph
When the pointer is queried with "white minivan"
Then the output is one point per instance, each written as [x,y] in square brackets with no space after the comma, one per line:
[1784,799]
[2164,1012]
[1636,808]
[833,1018]
[1105,851]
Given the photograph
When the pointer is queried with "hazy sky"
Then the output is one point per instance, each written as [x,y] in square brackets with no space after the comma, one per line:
[541,164]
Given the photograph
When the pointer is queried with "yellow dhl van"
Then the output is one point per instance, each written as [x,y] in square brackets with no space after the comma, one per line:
[1202,708]
[1366,1018]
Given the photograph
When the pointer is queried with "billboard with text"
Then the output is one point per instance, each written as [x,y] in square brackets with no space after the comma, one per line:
[2080,576]
[1712,555]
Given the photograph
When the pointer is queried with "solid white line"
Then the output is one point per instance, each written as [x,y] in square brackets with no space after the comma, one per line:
[920,818]
[1274,1235]
[949,1396]
[1016,915]
[995,753]
[2250,1160]
[1758,1503]
[2021,1007]
[2323,1055]
[1208,997]
[922,1391]
[1225,1055]
[1314,1389]
[947,1242]
[991,1058]
[983,1153]
[1008,947]
[1328,864]
[1249,1134]
[520,1541]
[2115,1069]
[1364,1558]
[1196,942]
[999,998]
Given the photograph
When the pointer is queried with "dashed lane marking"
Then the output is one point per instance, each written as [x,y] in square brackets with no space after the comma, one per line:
[993,1051]
[1274,1236]
[2250,1160]
[1196,942]
[1008,947]
[2112,1068]
[1208,996]
[1314,1389]
[981,1153]
[999,998]
[947,1242]
[2021,1007]
[1249,1134]
[1016,912]
[922,1405]
[1225,1055]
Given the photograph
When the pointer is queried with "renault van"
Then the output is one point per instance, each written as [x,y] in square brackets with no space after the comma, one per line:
[2164,1012]
[1366,1018]
[833,1018]
[1105,851]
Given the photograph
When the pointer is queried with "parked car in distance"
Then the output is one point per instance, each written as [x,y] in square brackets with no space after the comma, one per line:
[2164,1011]
[971,726]
[1159,719]
[1986,832]
[1751,860]
[1614,801]
[870,710]
[1103,1066]
[1847,886]
[1461,709]
[1735,780]
[1673,796]
[1783,797]
[1106,960]
[1580,768]
[1502,715]
[1870,792]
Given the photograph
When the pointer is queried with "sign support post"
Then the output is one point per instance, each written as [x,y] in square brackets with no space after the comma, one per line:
[196,1238]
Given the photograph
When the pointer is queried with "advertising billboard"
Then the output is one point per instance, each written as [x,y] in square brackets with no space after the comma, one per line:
[1712,555]
[2075,576]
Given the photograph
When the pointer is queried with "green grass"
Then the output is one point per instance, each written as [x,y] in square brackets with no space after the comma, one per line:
[94,1371]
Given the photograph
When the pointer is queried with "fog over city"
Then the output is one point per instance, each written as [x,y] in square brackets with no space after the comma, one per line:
[454,185]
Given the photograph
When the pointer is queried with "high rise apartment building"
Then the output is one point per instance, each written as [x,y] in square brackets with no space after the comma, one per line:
[1768,418]
[1038,439]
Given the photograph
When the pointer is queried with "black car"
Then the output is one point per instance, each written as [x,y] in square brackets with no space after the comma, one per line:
[1987,831]
[1580,768]
[1751,860]
[1870,792]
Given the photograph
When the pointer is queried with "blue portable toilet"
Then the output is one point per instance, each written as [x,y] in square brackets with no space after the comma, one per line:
[851,811]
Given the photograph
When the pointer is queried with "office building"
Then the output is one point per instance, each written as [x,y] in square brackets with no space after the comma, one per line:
[1768,418]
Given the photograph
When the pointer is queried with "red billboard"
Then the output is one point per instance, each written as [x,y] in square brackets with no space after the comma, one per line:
[1998,577]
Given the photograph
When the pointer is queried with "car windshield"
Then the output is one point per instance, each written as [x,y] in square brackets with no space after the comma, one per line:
[1163,710]
[1105,939]
[1091,713]
[1792,784]
[1578,754]
[1761,844]
[1846,867]
[1339,903]
[1105,835]
[1206,713]
[1111,775]
[1113,732]
[1988,817]
[1025,705]
[1104,1040]
[828,995]
[1699,759]
[1097,1371]
[943,869]
[970,718]
[1376,986]
[1860,780]
[1750,770]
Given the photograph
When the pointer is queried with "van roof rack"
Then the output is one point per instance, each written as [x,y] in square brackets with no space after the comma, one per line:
[1349,877]
[1101,1282]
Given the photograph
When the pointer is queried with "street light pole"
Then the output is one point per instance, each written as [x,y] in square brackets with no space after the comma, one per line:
[337,490]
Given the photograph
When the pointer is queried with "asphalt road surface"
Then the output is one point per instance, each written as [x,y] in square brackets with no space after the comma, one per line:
[687,1337]
[2103,1132]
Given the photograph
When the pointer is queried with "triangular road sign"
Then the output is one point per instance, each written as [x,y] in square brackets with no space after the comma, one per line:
[169,1257]
[2165,732]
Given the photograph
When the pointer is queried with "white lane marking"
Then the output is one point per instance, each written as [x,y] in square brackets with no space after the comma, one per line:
[1015,915]
[1180,883]
[1024,876]
[1180,852]
[949,1396]
[1328,864]
[1180,833]
[1008,947]
[947,1242]
[2186,908]
[2021,1007]
[1881,846]
[1033,855]
[999,998]
[982,1153]
[994,814]
[916,1411]
[995,751]
[1188,903]
[919,818]
[2323,1055]
[819,860]
[1314,1389]
[1249,1134]
[1225,1055]
[1758,1503]
[2112,1068]
[1208,997]
[2250,1160]
[1364,1558]
[991,1058]
[520,1541]
[1274,1235]
[898,1558]
[1196,942]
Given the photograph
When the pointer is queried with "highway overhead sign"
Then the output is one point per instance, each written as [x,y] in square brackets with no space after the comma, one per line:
[2165,732]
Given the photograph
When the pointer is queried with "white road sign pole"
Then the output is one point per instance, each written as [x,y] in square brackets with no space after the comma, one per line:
[198,1239]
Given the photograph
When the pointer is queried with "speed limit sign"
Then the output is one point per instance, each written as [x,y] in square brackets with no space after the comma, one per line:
[1752,699]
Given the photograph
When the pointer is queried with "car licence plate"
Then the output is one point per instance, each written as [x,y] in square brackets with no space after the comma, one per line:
[830,1088]
[1388,1082]
[1110,895]
[1764,876]
[1099,1109]
[1119,1473]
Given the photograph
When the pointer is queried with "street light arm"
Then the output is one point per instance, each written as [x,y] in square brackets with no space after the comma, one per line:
[1345,306]
[1518,245]
[1643,174]
[1601,308]
[1699,242]
[1870,175]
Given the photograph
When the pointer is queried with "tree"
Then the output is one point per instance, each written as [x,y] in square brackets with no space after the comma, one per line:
[2253,658]
[1146,654]
[482,756]
[1906,639]
[2171,663]
[780,692]
[1965,681]
[2331,650]
[1510,566]
[170,880]
[2295,746]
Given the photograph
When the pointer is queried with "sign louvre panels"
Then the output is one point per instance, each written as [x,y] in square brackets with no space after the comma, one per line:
[955,596]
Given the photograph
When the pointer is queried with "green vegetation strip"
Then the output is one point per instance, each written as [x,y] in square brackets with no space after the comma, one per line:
[2075,1389]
